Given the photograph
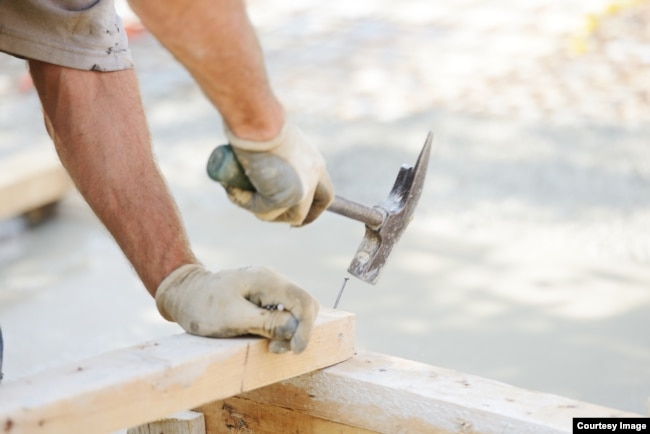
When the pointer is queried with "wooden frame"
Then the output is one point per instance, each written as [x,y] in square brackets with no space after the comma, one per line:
[377,393]
[137,385]
[236,385]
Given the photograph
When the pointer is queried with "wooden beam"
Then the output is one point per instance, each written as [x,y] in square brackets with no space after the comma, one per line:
[238,414]
[137,385]
[378,393]
[30,180]
[185,422]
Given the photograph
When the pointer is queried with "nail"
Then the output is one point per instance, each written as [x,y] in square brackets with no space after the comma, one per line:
[338,297]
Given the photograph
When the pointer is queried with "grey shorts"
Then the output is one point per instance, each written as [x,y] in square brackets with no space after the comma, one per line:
[80,34]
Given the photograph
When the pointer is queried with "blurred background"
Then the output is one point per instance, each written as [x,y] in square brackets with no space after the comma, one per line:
[528,260]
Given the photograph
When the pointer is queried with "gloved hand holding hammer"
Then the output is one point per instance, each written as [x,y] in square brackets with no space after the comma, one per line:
[288,177]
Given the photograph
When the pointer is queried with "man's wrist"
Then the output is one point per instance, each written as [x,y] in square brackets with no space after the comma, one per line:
[172,281]
[256,145]
[257,124]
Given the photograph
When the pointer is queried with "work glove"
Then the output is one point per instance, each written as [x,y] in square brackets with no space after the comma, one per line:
[251,300]
[289,175]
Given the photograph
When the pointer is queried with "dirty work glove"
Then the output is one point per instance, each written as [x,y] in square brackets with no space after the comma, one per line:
[289,175]
[233,303]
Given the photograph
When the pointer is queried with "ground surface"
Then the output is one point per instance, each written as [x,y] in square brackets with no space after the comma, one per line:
[528,259]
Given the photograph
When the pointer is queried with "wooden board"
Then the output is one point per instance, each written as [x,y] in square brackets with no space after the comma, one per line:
[130,387]
[378,393]
[30,180]
[242,415]
[185,422]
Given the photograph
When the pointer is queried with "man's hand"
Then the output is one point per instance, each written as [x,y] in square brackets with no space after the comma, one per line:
[232,303]
[289,176]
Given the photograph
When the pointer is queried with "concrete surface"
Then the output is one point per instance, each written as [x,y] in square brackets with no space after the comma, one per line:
[528,259]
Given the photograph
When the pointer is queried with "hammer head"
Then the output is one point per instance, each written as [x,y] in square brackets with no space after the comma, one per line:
[398,210]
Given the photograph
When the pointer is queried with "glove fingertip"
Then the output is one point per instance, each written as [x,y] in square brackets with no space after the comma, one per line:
[323,197]
[279,347]
[302,335]
[288,328]
[298,344]
[239,197]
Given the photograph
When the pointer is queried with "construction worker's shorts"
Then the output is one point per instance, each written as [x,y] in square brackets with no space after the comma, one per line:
[80,34]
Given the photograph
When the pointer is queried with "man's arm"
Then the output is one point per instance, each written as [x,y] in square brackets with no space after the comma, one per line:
[100,133]
[216,42]
[99,129]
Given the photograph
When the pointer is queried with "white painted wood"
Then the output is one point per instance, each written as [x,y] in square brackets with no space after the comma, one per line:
[137,385]
[29,180]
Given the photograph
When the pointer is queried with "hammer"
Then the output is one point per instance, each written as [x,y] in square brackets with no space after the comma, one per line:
[385,222]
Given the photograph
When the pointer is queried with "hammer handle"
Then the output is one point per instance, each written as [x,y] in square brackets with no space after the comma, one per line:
[224,168]
[372,217]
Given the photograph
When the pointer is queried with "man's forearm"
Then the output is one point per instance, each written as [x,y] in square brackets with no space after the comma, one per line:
[216,42]
[99,129]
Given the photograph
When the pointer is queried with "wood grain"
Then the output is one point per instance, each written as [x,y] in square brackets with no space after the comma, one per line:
[185,422]
[130,387]
[379,393]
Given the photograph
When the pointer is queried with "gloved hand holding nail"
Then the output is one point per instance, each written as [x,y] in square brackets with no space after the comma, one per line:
[233,303]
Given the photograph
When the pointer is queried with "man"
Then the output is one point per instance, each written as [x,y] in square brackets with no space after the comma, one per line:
[81,67]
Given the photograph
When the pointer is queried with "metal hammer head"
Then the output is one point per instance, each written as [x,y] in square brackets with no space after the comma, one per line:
[398,210]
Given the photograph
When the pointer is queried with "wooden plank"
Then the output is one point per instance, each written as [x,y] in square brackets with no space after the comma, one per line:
[379,393]
[137,385]
[236,414]
[185,422]
[30,180]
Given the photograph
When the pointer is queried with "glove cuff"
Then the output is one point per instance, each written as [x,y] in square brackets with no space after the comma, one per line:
[255,146]
[165,290]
